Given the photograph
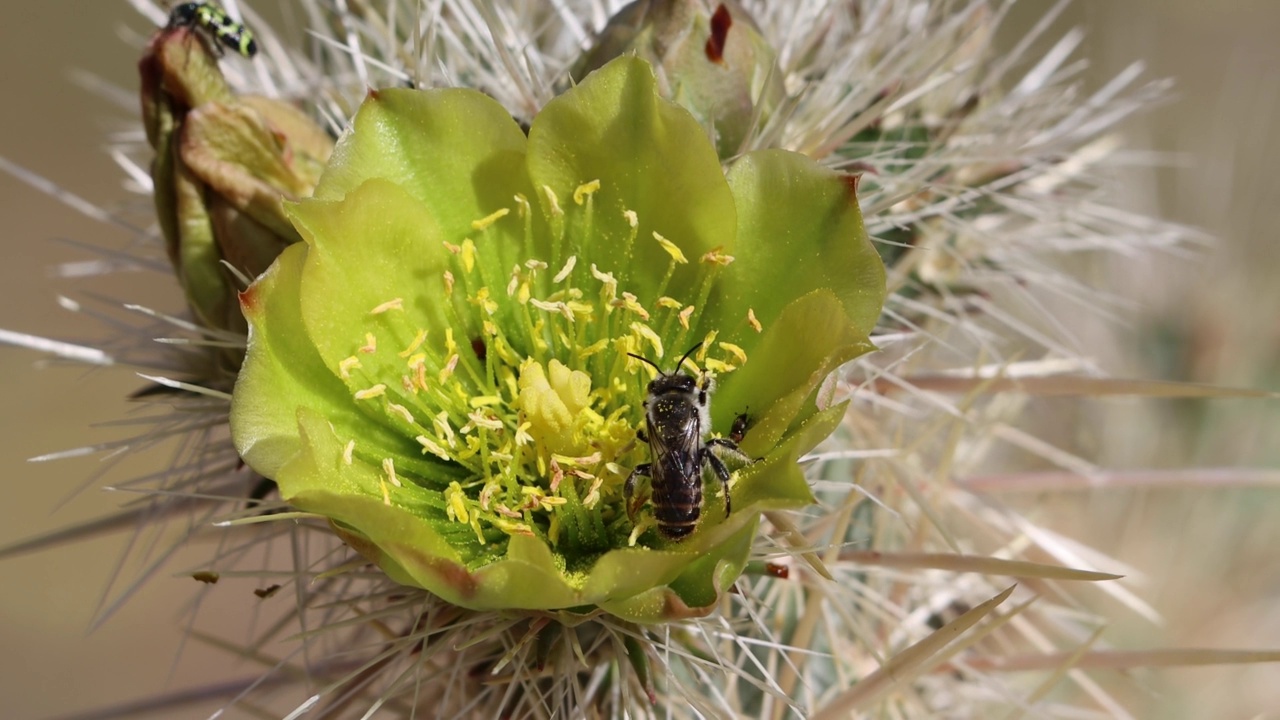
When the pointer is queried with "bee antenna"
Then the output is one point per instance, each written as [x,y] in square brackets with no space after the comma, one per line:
[684,357]
[642,358]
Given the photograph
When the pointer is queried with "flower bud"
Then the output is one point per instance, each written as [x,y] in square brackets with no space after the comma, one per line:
[710,58]
[224,165]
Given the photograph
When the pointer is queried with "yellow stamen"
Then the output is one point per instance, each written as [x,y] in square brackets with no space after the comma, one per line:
[553,307]
[752,321]
[629,302]
[376,391]
[468,255]
[585,191]
[716,366]
[480,401]
[386,494]
[347,452]
[447,371]
[370,344]
[485,421]
[685,314]
[444,429]
[632,219]
[717,256]
[647,333]
[396,304]
[402,411]
[448,283]
[389,467]
[564,271]
[552,200]
[672,249]
[430,446]
[669,303]
[735,351]
[346,365]
[418,339]
[493,217]
[455,503]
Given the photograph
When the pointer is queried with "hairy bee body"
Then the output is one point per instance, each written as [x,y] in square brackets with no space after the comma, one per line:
[677,423]
[216,24]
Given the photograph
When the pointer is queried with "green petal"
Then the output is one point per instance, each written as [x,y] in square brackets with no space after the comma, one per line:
[282,372]
[413,552]
[799,230]
[809,339]
[651,158]
[456,151]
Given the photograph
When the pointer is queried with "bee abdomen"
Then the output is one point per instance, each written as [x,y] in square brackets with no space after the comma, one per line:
[677,508]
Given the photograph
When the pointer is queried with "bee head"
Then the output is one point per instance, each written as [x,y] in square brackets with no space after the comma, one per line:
[674,381]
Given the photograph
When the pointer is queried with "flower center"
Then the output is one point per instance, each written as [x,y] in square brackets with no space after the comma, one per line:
[530,396]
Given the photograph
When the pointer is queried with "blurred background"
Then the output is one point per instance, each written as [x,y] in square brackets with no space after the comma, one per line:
[1209,554]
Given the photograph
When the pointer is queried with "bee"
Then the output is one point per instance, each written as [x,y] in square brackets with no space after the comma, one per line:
[216,24]
[677,422]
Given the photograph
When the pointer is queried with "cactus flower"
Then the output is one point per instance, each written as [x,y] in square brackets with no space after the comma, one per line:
[442,367]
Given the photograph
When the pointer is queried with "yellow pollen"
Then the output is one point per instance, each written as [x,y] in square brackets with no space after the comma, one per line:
[402,411]
[493,217]
[752,321]
[577,308]
[584,191]
[717,256]
[735,351]
[430,446]
[448,283]
[482,301]
[564,271]
[480,401]
[450,346]
[552,200]
[489,328]
[524,294]
[376,391]
[370,344]
[389,467]
[346,365]
[647,333]
[447,370]
[685,314]
[632,219]
[413,346]
[348,451]
[669,303]
[672,249]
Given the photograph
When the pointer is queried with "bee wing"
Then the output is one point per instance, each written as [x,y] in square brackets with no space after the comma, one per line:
[675,455]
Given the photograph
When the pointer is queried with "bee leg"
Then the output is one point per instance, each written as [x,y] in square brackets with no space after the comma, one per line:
[722,473]
[729,448]
[641,436]
[628,490]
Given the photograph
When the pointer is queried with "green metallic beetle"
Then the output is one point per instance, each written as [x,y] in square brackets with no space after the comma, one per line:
[215,21]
